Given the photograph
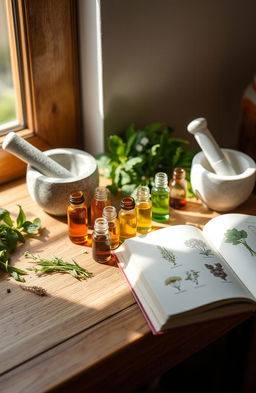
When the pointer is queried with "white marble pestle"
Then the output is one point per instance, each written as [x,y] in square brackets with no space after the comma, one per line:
[31,155]
[210,148]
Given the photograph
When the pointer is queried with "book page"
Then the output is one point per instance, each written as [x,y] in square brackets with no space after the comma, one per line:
[176,271]
[234,235]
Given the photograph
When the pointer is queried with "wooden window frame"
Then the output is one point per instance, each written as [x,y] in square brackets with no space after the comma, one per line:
[47,31]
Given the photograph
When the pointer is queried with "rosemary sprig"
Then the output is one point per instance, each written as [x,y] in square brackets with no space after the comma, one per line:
[56,264]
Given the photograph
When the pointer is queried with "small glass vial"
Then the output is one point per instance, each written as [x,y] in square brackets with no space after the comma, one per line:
[77,218]
[101,251]
[127,218]
[178,189]
[98,203]
[160,195]
[109,212]
[144,210]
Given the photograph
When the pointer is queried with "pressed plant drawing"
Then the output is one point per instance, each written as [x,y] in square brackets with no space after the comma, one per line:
[192,275]
[199,245]
[217,270]
[174,281]
[167,254]
[235,237]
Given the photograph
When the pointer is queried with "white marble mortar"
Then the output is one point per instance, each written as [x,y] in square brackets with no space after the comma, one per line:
[52,194]
[223,193]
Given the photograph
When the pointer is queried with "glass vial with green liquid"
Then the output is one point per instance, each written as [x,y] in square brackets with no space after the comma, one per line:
[144,210]
[160,195]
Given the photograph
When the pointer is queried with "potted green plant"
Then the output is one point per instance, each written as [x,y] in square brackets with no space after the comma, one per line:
[134,156]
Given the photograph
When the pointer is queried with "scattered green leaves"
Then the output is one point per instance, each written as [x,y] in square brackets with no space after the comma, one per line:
[56,264]
[11,235]
[135,156]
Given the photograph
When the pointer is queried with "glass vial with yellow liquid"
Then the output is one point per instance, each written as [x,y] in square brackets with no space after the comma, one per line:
[77,218]
[109,212]
[178,189]
[144,210]
[101,251]
[160,195]
[127,218]
[98,203]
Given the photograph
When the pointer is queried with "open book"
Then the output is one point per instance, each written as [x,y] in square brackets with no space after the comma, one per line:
[181,275]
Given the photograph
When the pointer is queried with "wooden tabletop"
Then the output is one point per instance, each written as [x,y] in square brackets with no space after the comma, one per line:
[87,334]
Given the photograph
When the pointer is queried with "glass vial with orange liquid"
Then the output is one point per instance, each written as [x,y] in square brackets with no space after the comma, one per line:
[109,212]
[98,203]
[101,250]
[127,218]
[143,210]
[77,218]
[178,189]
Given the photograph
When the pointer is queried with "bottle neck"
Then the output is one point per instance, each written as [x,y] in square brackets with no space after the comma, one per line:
[101,194]
[161,180]
[76,198]
[101,226]
[127,203]
[143,194]
[179,174]
[109,212]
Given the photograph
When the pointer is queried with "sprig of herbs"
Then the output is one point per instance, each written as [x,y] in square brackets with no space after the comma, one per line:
[11,234]
[56,264]
[135,156]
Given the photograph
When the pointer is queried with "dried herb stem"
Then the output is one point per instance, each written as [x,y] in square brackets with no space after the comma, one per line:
[56,264]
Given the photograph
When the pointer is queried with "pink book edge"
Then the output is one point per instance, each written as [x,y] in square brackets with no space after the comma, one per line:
[154,331]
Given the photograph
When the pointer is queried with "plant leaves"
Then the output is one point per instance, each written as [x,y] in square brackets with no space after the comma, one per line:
[31,227]
[234,236]
[21,217]
[5,216]
[116,146]
[132,162]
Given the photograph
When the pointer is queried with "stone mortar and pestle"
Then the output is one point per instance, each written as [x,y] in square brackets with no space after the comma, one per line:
[52,175]
[222,178]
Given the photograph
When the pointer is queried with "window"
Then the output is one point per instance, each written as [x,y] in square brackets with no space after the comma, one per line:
[47,35]
[11,116]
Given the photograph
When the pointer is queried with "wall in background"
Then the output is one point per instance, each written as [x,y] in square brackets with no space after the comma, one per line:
[175,60]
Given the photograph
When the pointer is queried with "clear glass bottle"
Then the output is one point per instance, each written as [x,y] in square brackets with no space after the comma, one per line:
[98,203]
[109,212]
[77,218]
[178,188]
[143,210]
[127,218]
[160,195]
[101,251]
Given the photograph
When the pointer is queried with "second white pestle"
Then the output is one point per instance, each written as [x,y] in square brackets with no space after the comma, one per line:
[31,155]
[209,146]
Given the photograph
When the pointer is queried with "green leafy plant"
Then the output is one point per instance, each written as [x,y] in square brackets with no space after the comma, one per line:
[11,234]
[236,237]
[135,156]
[56,264]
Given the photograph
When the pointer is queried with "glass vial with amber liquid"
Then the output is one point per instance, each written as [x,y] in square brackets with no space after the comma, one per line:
[77,218]
[178,189]
[98,203]
[101,251]
[143,210]
[109,212]
[127,218]
[160,195]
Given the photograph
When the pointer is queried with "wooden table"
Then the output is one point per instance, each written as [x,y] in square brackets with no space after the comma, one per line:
[86,335]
